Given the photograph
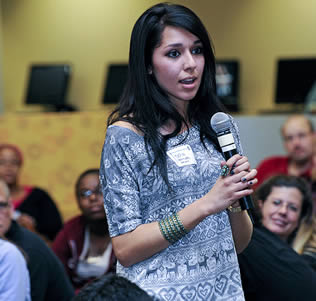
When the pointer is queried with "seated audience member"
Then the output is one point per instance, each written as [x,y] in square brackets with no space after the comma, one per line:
[305,241]
[270,268]
[284,203]
[34,208]
[298,135]
[49,281]
[84,245]
[14,275]
[112,287]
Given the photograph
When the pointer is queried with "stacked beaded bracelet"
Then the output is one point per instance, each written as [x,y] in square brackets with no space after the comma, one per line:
[172,228]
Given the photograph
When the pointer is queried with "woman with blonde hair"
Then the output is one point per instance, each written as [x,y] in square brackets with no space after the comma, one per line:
[305,241]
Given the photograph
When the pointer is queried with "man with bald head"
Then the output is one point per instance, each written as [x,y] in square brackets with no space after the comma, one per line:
[48,277]
[298,134]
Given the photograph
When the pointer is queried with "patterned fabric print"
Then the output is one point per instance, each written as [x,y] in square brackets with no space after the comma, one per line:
[203,264]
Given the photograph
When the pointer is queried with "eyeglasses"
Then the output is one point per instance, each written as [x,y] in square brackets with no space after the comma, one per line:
[87,193]
[4,205]
[10,163]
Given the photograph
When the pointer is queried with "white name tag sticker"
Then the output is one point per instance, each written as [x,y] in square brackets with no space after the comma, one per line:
[182,155]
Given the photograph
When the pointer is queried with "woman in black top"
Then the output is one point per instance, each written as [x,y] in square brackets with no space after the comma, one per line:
[270,268]
[34,207]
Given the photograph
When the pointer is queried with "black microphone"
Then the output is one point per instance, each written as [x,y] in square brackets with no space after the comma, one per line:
[221,124]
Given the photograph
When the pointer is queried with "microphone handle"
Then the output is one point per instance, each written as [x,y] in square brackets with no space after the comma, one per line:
[245,202]
[230,153]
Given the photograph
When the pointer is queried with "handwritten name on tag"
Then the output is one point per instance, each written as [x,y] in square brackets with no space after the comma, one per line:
[182,155]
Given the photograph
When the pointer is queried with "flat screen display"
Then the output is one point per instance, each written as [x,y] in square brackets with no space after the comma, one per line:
[227,83]
[47,84]
[115,82]
[295,78]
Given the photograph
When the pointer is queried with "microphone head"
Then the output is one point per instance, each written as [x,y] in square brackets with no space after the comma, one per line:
[220,122]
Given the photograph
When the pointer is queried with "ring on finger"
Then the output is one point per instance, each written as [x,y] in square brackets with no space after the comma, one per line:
[224,171]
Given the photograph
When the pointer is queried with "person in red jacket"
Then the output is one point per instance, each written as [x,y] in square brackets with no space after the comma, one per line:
[84,244]
[298,135]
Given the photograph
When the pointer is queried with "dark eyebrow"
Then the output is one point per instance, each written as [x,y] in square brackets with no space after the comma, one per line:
[179,44]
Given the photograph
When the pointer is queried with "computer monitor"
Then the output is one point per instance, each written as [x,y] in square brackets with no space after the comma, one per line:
[227,83]
[295,78]
[47,85]
[115,82]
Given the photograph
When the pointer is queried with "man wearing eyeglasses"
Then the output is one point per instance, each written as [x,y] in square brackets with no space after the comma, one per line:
[84,245]
[48,278]
[298,135]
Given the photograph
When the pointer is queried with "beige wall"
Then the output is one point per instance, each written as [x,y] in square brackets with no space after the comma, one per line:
[258,32]
[1,66]
[90,34]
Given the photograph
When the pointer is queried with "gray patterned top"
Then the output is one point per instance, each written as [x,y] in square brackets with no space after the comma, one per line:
[203,264]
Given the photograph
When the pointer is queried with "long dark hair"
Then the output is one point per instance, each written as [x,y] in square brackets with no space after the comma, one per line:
[144,104]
